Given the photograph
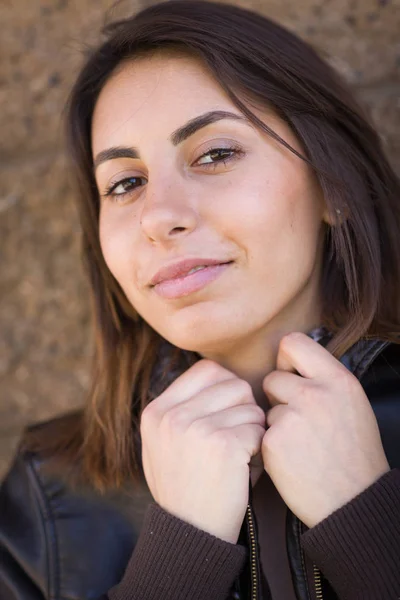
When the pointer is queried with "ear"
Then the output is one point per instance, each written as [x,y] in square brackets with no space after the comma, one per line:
[335,216]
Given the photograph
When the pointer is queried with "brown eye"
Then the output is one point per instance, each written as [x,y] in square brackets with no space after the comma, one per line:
[215,156]
[123,186]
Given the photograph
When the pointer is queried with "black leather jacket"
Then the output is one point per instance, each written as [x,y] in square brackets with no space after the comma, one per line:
[57,544]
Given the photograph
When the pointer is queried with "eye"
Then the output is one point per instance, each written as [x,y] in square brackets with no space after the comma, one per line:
[215,156]
[119,190]
[122,187]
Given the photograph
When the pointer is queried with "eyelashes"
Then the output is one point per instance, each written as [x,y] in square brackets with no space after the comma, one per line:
[111,191]
[127,184]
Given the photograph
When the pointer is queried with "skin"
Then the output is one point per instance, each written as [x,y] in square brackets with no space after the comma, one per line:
[323,445]
[263,210]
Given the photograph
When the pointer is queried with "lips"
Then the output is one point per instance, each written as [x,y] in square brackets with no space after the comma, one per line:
[182,268]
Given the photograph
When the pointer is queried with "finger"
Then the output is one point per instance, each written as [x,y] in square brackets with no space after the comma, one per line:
[298,352]
[213,399]
[281,386]
[275,414]
[231,417]
[198,377]
[250,438]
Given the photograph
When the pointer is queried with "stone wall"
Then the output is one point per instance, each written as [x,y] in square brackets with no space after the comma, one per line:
[44,316]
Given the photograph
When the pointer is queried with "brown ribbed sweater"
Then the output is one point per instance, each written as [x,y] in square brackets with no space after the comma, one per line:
[357,548]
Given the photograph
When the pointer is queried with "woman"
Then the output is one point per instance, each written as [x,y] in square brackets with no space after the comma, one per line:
[241,235]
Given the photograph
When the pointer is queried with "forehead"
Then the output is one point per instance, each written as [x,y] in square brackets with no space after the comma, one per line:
[156,93]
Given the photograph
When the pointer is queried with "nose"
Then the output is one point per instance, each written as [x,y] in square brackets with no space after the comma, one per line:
[167,214]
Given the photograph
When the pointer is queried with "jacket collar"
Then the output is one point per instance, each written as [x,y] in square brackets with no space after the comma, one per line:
[359,356]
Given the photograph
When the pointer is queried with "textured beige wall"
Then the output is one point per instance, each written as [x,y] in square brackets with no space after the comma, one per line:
[44,336]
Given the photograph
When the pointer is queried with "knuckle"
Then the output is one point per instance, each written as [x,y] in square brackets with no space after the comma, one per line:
[270,381]
[244,388]
[271,414]
[149,415]
[260,414]
[201,428]
[287,340]
[260,435]
[209,366]
[270,440]
[222,441]
[174,419]
[306,392]
[271,377]
[204,363]
[293,419]
[210,371]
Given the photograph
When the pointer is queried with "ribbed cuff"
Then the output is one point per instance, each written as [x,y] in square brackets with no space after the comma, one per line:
[357,547]
[174,560]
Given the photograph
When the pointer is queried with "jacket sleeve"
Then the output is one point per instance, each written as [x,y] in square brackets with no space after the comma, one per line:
[171,560]
[23,549]
[357,547]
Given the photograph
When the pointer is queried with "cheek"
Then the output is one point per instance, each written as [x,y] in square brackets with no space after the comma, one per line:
[115,244]
[282,219]
[297,198]
[117,234]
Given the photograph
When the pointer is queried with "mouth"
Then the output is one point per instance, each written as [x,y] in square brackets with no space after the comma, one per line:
[191,280]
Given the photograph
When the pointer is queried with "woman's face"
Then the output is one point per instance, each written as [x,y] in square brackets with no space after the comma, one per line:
[167,199]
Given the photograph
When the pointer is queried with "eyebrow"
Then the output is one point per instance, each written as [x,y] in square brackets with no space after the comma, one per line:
[176,137]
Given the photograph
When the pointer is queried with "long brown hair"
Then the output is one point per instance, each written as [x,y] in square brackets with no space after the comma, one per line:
[254,59]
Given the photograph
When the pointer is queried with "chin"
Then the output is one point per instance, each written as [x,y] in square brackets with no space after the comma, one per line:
[204,327]
[193,343]
[209,336]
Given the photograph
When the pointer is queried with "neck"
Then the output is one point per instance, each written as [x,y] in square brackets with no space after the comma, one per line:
[255,356]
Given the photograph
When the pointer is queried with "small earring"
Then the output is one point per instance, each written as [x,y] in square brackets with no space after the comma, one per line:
[338,211]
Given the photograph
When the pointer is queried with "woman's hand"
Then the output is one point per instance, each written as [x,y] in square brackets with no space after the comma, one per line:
[323,445]
[198,438]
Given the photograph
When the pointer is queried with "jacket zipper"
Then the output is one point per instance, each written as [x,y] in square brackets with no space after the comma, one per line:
[253,568]
[253,562]
[253,550]
[317,582]
[316,574]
